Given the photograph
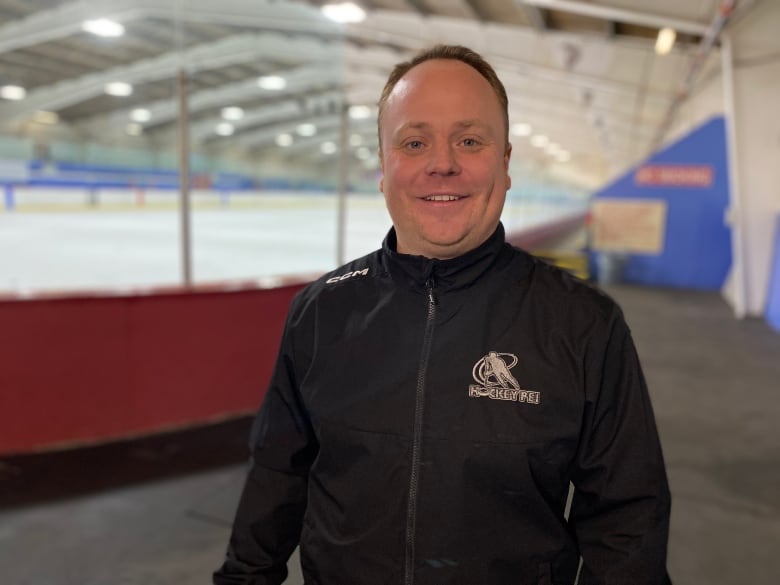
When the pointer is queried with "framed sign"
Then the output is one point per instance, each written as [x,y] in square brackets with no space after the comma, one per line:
[629,225]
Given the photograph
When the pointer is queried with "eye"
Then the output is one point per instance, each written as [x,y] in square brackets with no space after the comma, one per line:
[414,144]
[470,142]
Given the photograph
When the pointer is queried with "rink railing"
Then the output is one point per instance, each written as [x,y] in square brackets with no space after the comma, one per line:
[91,368]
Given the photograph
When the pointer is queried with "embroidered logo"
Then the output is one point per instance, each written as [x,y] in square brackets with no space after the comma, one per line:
[495,381]
[363,272]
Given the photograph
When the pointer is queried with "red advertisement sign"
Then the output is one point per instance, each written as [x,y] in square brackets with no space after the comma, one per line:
[700,176]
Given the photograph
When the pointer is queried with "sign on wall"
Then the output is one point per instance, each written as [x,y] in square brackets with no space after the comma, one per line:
[677,175]
[629,225]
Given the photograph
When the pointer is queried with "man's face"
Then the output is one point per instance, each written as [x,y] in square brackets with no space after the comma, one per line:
[444,159]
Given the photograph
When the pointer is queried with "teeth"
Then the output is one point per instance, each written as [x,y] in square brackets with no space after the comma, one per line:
[442,198]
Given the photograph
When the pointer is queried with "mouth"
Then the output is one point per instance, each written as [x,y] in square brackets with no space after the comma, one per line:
[442,197]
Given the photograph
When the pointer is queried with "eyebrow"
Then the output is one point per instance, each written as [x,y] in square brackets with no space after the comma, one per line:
[462,124]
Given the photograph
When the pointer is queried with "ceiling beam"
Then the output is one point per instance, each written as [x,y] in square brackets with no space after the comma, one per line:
[228,51]
[65,20]
[536,16]
[619,14]
[419,7]
[477,10]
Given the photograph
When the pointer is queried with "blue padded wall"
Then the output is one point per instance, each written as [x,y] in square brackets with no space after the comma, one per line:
[773,298]
[697,243]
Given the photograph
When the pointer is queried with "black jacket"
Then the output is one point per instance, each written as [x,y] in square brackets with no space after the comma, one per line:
[425,419]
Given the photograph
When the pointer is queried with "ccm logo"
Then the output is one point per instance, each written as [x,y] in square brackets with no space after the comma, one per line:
[347,275]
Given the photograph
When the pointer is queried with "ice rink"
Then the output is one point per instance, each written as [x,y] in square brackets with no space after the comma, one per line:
[60,242]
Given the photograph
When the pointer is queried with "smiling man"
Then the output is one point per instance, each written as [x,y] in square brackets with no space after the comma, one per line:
[434,401]
[445,158]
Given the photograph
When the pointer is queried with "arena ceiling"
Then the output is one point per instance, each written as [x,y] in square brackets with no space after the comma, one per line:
[584,74]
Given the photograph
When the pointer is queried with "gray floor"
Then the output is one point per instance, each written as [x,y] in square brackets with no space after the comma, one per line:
[715,384]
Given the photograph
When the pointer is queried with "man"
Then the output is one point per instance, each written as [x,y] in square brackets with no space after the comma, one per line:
[393,446]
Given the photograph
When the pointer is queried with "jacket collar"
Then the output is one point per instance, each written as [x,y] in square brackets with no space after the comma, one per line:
[448,274]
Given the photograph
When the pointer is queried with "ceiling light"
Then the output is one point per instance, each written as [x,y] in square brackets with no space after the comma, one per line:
[103,27]
[12,92]
[45,117]
[665,41]
[521,129]
[272,82]
[563,156]
[118,89]
[552,149]
[539,140]
[225,129]
[355,140]
[134,129]
[140,115]
[232,113]
[360,112]
[344,12]
[306,129]
[363,153]
[284,140]
[328,147]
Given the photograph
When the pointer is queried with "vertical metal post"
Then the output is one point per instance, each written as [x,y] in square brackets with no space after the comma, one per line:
[184,180]
[736,208]
[341,220]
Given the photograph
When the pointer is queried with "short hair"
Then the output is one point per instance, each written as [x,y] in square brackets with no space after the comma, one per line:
[454,53]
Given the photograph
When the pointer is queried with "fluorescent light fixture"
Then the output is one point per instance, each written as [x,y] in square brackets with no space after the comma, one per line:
[344,12]
[232,113]
[306,129]
[360,112]
[118,89]
[665,41]
[284,140]
[272,82]
[45,117]
[328,147]
[103,27]
[225,129]
[521,129]
[363,153]
[140,115]
[134,129]
[355,140]
[539,140]
[12,92]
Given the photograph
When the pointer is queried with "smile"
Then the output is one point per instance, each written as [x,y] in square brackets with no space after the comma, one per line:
[442,198]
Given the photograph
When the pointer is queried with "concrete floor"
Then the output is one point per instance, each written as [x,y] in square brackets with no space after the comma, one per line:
[157,511]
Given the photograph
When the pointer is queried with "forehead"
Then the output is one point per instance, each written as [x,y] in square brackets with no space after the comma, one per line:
[439,84]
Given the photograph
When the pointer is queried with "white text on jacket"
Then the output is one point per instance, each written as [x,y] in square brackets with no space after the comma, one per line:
[347,275]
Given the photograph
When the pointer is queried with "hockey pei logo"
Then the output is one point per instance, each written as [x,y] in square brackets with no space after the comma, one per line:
[495,381]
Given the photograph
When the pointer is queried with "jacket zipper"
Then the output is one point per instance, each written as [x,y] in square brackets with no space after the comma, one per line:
[411,517]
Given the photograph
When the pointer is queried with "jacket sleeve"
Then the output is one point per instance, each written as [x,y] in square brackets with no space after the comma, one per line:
[621,503]
[269,518]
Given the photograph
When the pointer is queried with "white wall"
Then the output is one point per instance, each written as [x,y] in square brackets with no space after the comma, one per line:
[756,50]
[757,98]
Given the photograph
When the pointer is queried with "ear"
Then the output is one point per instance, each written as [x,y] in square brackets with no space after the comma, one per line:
[382,170]
[507,157]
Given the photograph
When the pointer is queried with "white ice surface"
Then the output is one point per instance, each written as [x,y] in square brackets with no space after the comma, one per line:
[126,249]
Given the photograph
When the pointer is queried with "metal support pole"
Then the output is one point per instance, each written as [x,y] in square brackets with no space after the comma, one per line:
[341,220]
[736,208]
[184,181]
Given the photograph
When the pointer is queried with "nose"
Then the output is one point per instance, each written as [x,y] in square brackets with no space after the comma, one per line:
[443,160]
